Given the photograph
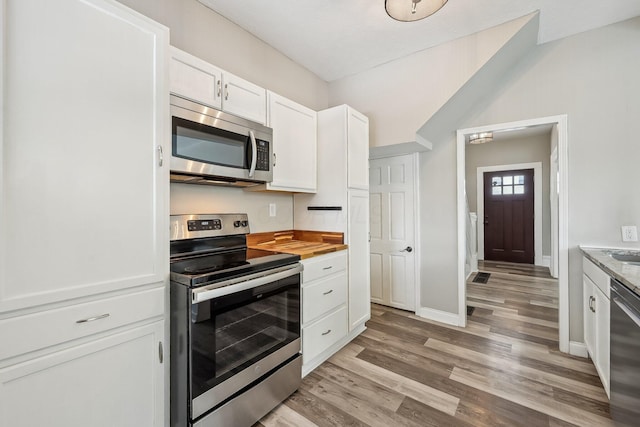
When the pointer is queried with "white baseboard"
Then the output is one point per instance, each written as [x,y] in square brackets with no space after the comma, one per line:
[546,261]
[439,316]
[578,349]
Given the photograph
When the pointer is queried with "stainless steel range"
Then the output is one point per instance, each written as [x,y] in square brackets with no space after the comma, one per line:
[235,323]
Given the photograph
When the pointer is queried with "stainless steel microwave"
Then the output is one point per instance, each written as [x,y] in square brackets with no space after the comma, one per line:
[216,148]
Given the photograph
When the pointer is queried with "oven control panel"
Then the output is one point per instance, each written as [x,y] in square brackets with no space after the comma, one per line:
[202,224]
[197,226]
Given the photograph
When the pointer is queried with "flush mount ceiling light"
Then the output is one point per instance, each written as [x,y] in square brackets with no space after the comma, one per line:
[412,10]
[480,138]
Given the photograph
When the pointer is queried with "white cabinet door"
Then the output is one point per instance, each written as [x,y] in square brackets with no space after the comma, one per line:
[357,149]
[243,98]
[294,145]
[195,79]
[588,290]
[112,381]
[359,275]
[83,201]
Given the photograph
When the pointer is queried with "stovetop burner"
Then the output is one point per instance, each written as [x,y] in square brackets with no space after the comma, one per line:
[202,256]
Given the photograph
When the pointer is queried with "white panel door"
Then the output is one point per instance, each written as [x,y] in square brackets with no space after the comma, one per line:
[358,251]
[82,196]
[244,99]
[112,381]
[294,145]
[391,188]
[357,150]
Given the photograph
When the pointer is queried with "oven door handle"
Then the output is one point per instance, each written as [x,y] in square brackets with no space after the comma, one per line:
[236,285]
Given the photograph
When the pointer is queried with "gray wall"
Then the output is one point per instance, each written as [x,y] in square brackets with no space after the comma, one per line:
[531,149]
[593,78]
[200,31]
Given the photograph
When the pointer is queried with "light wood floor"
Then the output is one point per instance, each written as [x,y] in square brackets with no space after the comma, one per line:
[504,369]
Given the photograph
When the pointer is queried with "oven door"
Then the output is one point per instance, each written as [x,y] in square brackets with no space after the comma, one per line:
[240,333]
[207,142]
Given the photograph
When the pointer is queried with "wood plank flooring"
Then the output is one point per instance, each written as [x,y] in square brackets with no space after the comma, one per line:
[503,369]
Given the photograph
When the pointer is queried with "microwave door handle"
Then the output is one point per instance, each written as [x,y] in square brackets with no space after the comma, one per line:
[254,154]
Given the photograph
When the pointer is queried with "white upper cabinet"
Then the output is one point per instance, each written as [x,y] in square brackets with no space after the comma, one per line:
[294,145]
[243,98]
[83,198]
[195,79]
[357,150]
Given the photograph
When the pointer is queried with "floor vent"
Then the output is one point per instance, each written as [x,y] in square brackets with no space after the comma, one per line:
[470,310]
[482,277]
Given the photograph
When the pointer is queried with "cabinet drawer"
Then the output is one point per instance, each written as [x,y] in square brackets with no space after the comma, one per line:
[324,265]
[321,335]
[323,295]
[597,276]
[31,332]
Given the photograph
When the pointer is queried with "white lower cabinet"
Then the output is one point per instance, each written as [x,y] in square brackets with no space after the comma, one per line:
[116,380]
[597,318]
[324,308]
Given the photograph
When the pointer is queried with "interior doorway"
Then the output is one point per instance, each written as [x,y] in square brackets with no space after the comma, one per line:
[559,124]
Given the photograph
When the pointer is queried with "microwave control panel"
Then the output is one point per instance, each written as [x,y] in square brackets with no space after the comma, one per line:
[262,162]
[200,225]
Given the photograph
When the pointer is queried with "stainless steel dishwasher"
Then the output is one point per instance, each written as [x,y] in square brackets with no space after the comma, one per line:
[625,355]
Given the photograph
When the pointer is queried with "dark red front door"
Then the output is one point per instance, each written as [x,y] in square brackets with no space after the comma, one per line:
[508,216]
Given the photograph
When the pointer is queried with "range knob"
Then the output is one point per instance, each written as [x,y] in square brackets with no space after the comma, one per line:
[236,224]
[245,223]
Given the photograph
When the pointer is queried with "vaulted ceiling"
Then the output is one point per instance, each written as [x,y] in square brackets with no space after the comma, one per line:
[338,38]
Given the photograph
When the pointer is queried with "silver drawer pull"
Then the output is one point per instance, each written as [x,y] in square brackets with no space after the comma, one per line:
[328,268]
[91,319]
[328,292]
[327,333]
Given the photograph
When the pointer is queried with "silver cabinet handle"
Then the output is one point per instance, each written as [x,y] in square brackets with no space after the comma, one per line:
[274,160]
[160,156]
[226,92]
[254,154]
[219,88]
[160,352]
[328,268]
[91,319]
[328,292]
[327,333]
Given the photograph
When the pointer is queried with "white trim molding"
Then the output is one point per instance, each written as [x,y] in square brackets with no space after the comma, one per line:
[537,202]
[546,261]
[440,316]
[560,122]
[578,349]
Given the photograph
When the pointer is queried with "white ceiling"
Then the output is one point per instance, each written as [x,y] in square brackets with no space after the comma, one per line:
[337,38]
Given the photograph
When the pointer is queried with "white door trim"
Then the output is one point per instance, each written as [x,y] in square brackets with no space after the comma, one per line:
[563,217]
[537,202]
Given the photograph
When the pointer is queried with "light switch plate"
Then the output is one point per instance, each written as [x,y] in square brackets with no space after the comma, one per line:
[629,233]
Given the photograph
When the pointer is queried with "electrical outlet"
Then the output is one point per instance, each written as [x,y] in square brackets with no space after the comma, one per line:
[272,209]
[629,233]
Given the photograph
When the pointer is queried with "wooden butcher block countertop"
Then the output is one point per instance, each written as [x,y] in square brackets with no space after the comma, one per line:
[307,244]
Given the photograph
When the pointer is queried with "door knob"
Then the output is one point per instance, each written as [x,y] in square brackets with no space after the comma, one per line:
[407,249]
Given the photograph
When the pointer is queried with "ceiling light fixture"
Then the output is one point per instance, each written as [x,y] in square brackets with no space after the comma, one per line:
[412,10]
[480,138]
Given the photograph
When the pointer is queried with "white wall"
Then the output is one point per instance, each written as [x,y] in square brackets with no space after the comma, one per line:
[200,31]
[398,97]
[530,149]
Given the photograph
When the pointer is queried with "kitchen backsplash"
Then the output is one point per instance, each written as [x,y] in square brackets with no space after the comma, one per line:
[199,199]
